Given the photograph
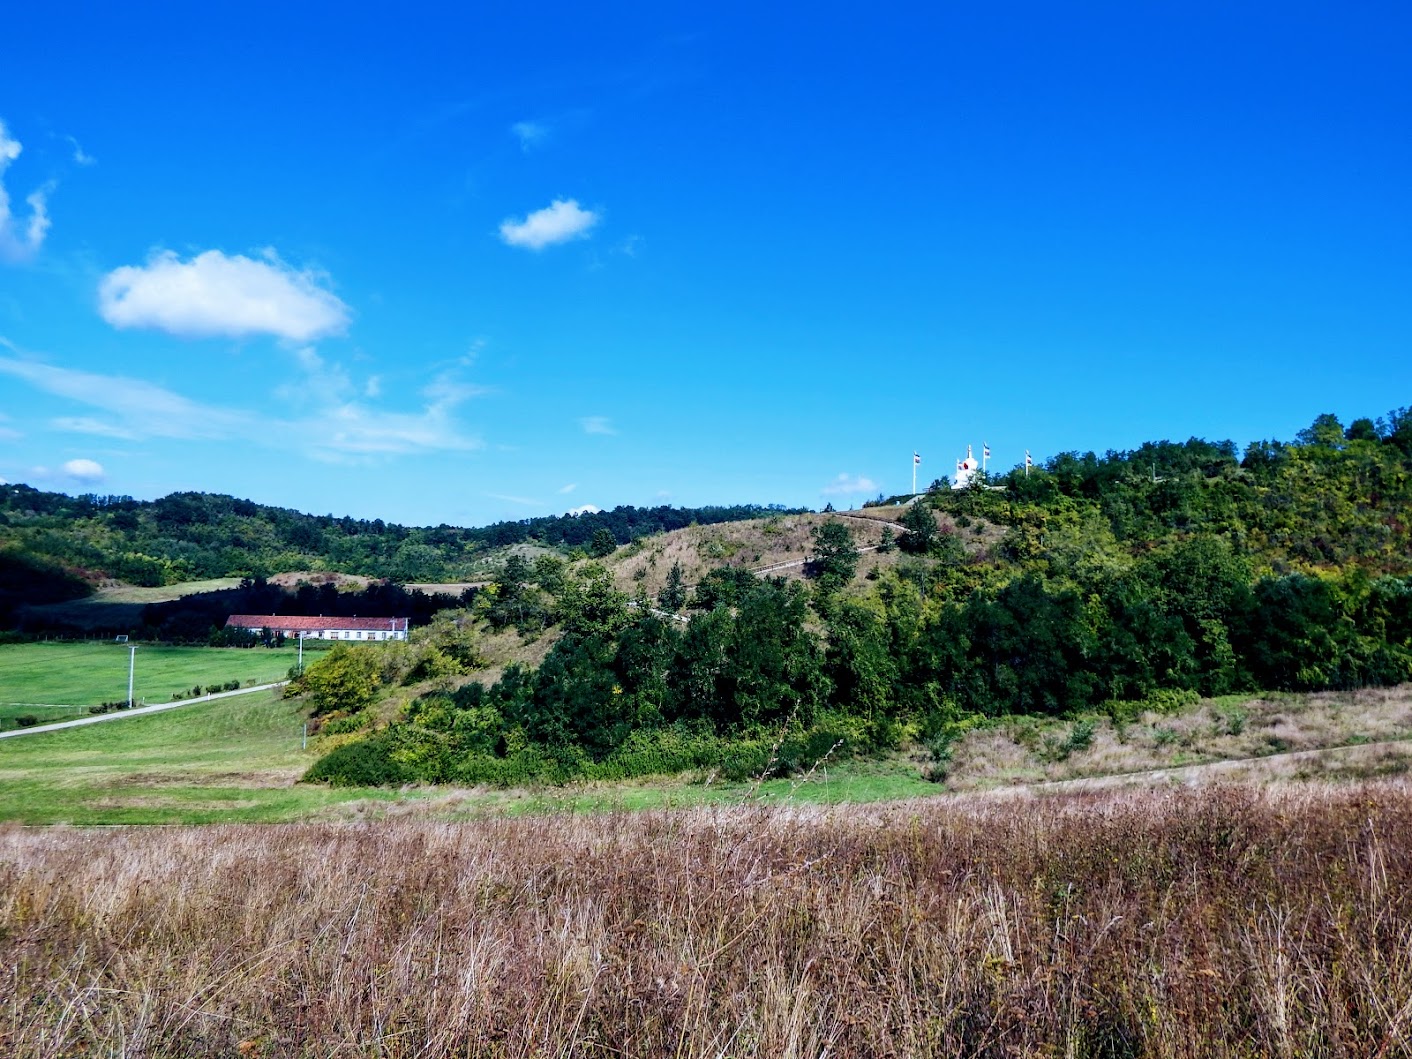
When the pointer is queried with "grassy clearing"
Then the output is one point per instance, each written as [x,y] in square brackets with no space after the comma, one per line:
[119,593]
[233,759]
[92,672]
[1220,922]
[120,605]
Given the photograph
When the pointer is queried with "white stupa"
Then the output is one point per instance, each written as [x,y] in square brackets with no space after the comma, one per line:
[965,470]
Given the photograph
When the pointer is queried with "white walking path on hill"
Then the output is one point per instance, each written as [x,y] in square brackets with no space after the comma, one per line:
[136,710]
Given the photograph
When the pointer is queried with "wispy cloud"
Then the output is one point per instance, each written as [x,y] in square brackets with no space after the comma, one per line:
[215,294]
[531,134]
[519,501]
[85,471]
[20,240]
[848,485]
[568,488]
[353,432]
[559,222]
[135,408]
[336,430]
[597,425]
[80,156]
[89,425]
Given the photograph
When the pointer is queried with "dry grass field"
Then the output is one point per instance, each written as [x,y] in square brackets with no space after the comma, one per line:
[742,545]
[1185,923]
[1246,728]
[756,544]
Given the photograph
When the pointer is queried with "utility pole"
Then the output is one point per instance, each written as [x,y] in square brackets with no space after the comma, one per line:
[301,652]
[131,666]
[915,460]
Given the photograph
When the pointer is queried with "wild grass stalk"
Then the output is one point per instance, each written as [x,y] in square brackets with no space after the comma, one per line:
[1215,922]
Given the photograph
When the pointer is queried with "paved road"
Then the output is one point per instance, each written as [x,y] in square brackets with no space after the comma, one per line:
[117,715]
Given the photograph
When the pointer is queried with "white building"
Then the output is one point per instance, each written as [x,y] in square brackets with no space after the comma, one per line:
[322,628]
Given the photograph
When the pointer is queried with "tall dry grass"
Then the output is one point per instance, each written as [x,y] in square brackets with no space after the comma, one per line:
[1216,922]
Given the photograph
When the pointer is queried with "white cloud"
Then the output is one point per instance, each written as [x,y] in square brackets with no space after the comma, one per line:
[847,485]
[213,294]
[586,509]
[86,471]
[568,488]
[20,240]
[597,425]
[531,134]
[558,222]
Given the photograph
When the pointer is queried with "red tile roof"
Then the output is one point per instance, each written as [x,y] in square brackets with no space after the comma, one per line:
[296,623]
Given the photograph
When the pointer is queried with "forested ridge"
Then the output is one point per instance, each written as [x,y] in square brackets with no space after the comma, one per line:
[1094,583]
[52,544]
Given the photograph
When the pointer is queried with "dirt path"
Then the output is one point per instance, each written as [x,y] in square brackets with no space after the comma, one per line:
[137,710]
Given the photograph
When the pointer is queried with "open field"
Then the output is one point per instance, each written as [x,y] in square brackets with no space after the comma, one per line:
[1216,922]
[232,759]
[239,759]
[88,673]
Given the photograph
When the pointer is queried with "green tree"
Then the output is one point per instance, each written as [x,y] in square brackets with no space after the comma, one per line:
[835,558]
[920,524]
[673,594]
[346,679]
[603,543]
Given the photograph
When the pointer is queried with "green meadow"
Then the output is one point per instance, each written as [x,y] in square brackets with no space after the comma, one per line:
[239,760]
[228,760]
[89,673]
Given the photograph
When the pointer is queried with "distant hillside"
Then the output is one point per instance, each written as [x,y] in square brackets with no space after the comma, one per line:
[1090,587]
[192,536]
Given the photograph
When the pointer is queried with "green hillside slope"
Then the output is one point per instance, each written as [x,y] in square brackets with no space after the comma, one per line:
[1114,585]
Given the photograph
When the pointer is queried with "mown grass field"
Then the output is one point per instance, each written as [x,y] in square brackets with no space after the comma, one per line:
[89,673]
[239,760]
[234,759]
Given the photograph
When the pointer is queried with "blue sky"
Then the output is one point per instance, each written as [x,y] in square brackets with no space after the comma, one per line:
[464,266]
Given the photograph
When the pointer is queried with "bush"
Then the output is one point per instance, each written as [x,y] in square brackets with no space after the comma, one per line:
[345,725]
[366,763]
[26,720]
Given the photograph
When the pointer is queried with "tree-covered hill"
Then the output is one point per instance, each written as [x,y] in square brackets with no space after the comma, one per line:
[192,536]
[1094,583]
